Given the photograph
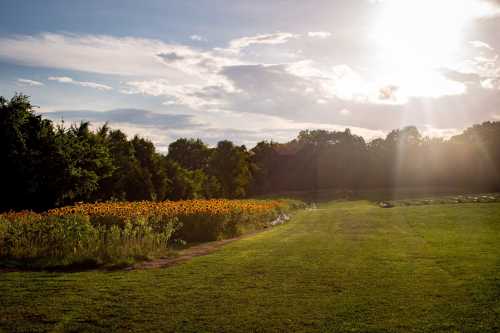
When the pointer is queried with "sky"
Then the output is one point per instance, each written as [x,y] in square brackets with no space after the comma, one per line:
[255,70]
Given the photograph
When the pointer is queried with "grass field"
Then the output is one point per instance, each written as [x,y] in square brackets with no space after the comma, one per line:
[344,267]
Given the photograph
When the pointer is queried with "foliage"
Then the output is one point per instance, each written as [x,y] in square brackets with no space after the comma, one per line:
[33,166]
[322,159]
[52,240]
[230,164]
[113,231]
[191,154]
[46,166]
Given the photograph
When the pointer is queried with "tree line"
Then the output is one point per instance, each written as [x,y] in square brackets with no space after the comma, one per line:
[45,166]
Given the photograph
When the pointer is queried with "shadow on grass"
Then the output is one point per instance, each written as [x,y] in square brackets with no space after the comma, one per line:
[80,265]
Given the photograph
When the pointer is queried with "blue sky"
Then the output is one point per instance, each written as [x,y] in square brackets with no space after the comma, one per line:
[254,70]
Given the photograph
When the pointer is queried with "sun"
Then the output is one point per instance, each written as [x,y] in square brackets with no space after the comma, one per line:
[423,33]
[416,39]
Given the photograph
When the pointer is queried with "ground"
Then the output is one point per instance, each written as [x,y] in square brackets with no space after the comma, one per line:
[347,266]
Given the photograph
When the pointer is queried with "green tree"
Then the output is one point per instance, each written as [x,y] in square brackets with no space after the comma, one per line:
[230,164]
[31,159]
[89,162]
[183,183]
[153,176]
[191,154]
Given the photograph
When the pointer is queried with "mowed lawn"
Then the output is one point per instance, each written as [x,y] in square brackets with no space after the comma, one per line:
[345,267]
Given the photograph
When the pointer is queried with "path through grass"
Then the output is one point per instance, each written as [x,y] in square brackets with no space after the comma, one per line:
[344,267]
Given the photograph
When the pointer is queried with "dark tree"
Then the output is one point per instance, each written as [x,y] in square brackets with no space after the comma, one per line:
[230,165]
[44,166]
[191,154]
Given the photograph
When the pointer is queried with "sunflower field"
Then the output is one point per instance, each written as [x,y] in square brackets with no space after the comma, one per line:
[114,232]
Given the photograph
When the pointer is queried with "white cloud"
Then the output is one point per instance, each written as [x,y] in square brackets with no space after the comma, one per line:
[27,82]
[194,77]
[433,132]
[491,83]
[319,34]
[345,112]
[198,38]
[192,95]
[65,79]
[485,68]
[236,93]
[108,55]
[236,45]
[479,44]
[345,83]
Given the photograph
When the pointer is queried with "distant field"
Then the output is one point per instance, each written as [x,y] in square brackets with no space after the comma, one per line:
[347,266]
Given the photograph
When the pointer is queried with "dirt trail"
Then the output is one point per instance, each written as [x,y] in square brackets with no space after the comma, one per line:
[191,252]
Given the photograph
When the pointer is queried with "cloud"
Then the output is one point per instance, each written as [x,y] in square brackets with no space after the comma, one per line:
[65,79]
[345,112]
[108,55]
[491,83]
[163,129]
[319,34]
[482,69]
[469,78]
[262,93]
[236,45]
[198,38]
[170,56]
[119,116]
[194,96]
[26,82]
[160,128]
[189,75]
[479,44]
[388,92]
[432,132]
[157,68]
[301,94]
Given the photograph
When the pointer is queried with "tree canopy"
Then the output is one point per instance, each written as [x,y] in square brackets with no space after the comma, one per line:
[46,166]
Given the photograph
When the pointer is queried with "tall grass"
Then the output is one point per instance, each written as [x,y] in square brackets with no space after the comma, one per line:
[77,239]
[112,233]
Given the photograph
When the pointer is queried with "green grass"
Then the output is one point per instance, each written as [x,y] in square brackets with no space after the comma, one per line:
[344,267]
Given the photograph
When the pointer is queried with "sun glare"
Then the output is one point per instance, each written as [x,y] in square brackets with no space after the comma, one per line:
[416,39]
[417,32]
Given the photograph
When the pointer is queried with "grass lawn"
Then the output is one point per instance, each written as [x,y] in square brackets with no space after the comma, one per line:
[344,267]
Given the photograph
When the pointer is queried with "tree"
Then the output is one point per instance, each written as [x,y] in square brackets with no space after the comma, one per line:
[230,164]
[89,162]
[152,174]
[264,159]
[183,183]
[191,154]
[44,166]
[31,159]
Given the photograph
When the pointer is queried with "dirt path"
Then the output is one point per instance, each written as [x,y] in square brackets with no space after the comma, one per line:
[189,253]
